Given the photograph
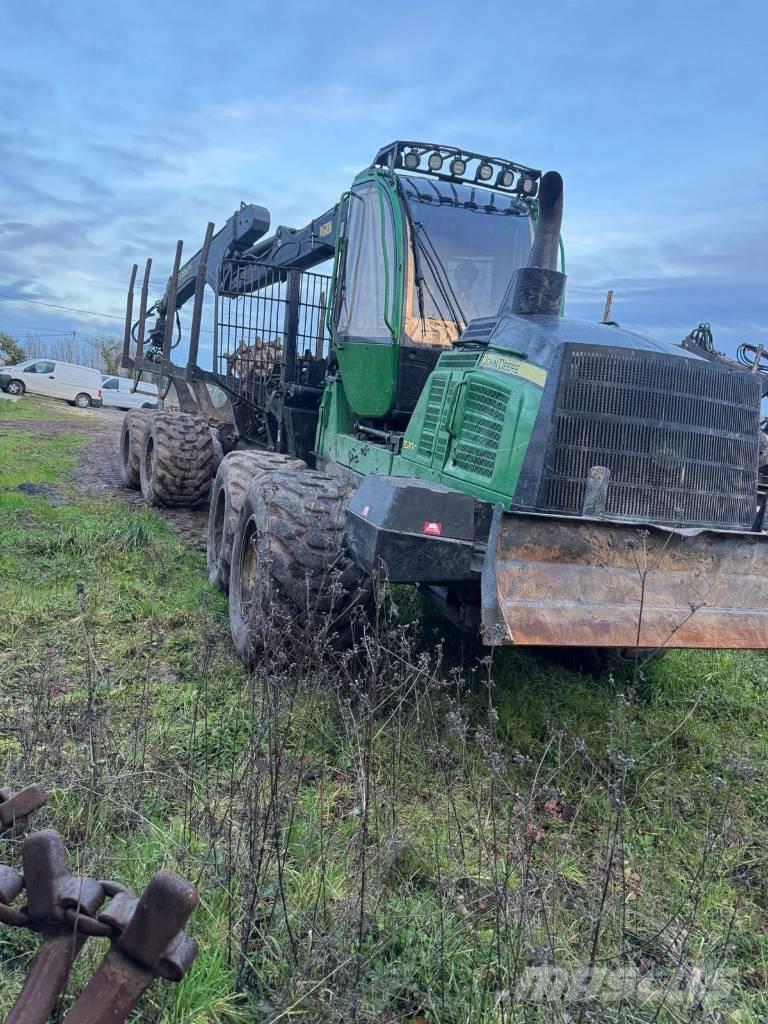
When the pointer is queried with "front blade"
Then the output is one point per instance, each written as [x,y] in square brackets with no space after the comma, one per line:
[557,581]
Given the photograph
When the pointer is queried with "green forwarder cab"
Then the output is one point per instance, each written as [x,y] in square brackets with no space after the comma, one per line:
[421,257]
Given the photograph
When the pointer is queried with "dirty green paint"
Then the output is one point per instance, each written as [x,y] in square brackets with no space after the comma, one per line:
[470,430]
[370,368]
[369,371]
[472,424]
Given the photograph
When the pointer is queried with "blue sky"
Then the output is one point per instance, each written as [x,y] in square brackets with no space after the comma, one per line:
[127,126]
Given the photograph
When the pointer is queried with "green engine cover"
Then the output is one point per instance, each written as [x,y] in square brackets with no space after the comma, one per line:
[471,427]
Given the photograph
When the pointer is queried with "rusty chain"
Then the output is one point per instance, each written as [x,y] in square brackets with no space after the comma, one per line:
[146,934]
[16,807]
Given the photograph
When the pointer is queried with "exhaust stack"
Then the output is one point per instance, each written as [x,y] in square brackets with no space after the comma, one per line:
[537,290]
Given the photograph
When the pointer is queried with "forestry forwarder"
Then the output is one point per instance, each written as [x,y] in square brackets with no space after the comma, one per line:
[428,412]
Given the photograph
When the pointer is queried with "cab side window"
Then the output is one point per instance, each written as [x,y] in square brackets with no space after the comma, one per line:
[370,268]
[112,384]
[41,367]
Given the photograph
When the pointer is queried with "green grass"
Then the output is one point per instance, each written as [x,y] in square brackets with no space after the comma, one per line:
[33,407]
[379,839]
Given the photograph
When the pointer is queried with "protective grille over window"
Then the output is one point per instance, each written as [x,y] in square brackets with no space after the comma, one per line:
[679,436]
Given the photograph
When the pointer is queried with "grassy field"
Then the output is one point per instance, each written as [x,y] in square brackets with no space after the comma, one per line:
[38,410]
[400,833]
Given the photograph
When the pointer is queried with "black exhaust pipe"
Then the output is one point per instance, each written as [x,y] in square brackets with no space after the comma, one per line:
[538,288]
[545,251]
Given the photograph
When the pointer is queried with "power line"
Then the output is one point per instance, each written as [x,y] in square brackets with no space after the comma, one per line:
[43,332]
[72,309]
[69,309]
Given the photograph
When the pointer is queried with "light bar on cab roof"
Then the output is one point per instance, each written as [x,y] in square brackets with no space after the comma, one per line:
[453,164]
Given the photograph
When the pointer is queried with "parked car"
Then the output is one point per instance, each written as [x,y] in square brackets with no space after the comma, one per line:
[78,385]
[118,394]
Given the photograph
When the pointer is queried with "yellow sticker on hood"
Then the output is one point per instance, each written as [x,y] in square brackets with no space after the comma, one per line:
[514,367]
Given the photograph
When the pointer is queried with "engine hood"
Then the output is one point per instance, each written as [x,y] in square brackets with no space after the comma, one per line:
[539,338]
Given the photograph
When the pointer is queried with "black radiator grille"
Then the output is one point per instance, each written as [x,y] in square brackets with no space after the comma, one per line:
[679,436]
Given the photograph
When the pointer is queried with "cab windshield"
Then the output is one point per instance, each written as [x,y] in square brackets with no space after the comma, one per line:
[465,244]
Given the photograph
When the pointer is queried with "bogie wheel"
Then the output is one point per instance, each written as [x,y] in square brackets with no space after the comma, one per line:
[289,571]
[135,424]
[235,473]
[177,461]
[83,401]
[15,387]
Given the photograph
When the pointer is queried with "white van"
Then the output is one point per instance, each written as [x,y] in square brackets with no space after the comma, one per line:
[78,385]
[117,393]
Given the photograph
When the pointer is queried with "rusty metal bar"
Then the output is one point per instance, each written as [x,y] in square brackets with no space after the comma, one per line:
[139,360]
[51,888]
[152,944]
[170,313]
[197,307]
[146,933]
[129,316]
[16,807]
[112,993]
[46,978]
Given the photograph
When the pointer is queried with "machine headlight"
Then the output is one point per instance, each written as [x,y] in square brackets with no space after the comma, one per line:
[527,185]
[435,162]
[484,172]
[458,167]
[411,160]
[506,178]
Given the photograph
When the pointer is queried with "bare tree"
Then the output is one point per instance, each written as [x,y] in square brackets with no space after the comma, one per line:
[67,348]
[103,352]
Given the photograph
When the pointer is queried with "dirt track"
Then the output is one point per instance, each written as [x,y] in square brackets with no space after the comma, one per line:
[97,474]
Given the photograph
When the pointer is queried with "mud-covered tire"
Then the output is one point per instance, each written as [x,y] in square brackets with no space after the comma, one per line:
[177,461]
[236,472]
[135,423]
[289,571]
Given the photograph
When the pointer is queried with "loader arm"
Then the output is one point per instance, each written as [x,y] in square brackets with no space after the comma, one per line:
[291,248]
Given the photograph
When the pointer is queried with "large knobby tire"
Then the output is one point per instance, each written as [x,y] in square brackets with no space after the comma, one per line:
[235,474]
[177,461]
[290,576]
[135,424]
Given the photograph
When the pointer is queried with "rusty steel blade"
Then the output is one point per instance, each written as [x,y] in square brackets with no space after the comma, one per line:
[150,943]
[46,978]
[555,581]
[112,992]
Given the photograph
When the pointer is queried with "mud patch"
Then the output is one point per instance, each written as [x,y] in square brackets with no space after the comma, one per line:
[97,473]
[41,490]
